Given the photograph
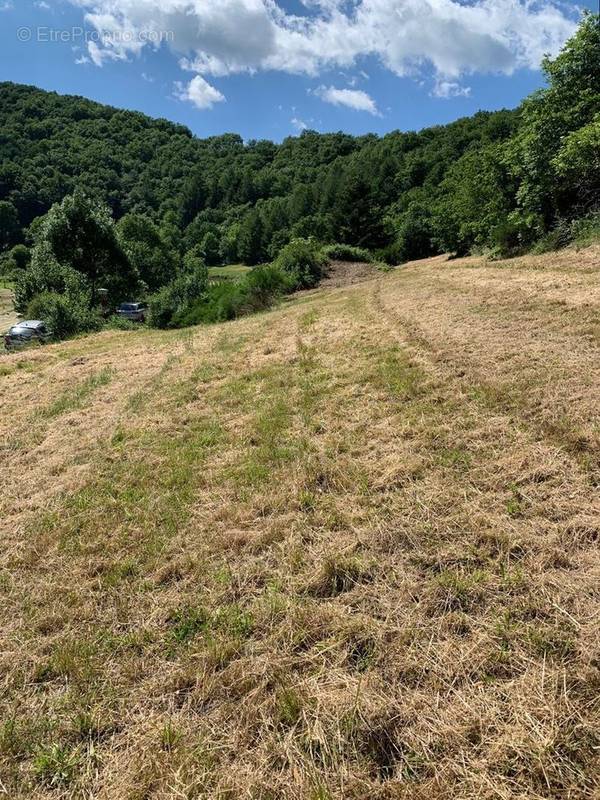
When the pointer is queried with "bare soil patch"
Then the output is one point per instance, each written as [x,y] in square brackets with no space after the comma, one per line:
[347,273]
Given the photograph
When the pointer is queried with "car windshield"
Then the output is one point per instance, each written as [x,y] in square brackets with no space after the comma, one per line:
[128,306]
[21,330]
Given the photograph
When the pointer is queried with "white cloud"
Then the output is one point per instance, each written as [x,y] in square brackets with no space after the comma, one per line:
[199,92]
[42,4]
[299,124]
[82,60]
[447,89]
[355,99]
[454,37]
[7,5]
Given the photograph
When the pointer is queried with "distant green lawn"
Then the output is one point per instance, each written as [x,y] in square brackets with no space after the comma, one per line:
[230,271]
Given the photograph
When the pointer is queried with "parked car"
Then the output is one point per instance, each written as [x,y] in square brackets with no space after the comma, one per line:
[29,331]
[135,312]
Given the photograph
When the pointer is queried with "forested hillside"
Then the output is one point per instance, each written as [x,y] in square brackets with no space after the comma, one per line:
[500,181]
[253,196]
[445,188]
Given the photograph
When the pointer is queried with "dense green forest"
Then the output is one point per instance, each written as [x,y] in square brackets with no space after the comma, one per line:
[119,199]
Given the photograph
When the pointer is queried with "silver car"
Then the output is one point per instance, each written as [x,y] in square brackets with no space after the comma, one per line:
[135,312]
[29,331]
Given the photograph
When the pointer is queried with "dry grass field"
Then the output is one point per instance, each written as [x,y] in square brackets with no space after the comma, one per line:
[347,549]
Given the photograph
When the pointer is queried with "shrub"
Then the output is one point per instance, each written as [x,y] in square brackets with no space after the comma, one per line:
[117,323]
[227,300]
[263,285]
[557,238]
[65,315]
[586,231]
[515,234]
[170,301]
[302,260]
[346,252]
[46,275]
[220,303]
[20,257]
[8,272]
[390,255]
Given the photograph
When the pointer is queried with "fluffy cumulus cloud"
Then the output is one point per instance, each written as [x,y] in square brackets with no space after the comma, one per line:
[452,37]
[355,99]
[199,92]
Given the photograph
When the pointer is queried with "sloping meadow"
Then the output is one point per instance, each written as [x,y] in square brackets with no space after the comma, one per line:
[344,549]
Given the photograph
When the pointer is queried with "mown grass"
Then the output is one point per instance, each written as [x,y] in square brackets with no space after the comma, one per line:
[304,557]
[74,398]
[144,487]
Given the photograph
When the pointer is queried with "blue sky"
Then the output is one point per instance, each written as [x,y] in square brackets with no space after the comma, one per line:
[268,70]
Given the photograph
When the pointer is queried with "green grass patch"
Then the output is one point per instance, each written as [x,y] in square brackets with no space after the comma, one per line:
[75,398]
[396,374]
[222,631]
[230,271]
[56,765]
[187,623]
[455,458]
[139,499]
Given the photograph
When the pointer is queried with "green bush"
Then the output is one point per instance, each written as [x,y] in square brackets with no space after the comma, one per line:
[390,255]
[219,303]
[8,273]
[263,285]
[162,307]
[16,260]
[63,314]
[117,323]
[560,236]
[346,252]
[514,235]
[302,261]
[46,276]
[173,299]
[227,300]
[586,231]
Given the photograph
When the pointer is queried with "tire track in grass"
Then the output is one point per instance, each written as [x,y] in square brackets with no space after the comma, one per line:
[512,400]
